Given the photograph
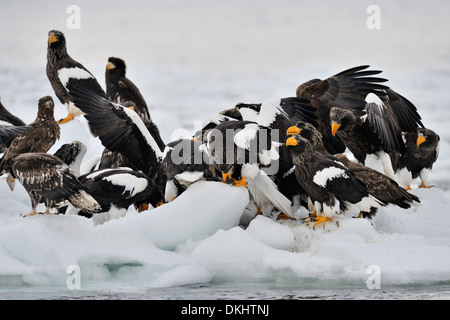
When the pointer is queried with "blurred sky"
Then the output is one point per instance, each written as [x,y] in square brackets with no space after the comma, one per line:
[242,35]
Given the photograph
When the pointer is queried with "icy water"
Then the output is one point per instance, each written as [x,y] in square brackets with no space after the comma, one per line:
[238,291]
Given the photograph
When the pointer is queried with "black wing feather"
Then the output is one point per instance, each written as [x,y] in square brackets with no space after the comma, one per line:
[383,122]
[405,111]
[66,153]
[347,188]
[115,129]
[299,109]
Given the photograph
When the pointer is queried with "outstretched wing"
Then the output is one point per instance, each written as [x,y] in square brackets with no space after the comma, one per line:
[119,129]
[404,110]
[299,109]
[347,88]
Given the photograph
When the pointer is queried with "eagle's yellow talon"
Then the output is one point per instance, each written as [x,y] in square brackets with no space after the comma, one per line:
[284,216]
[32,213]
[423,185]
[238,183]
[69,117]
[322,219]
[143,207]
[310,217]
[226,176]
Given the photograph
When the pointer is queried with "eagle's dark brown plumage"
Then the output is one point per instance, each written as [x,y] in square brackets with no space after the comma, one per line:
[8,133]
[45,176]
[40,137]
[380,185]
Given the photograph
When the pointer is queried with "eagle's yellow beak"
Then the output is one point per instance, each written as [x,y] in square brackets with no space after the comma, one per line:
[110,66]
[334,128]
[291,141]
[52,38]
[420,140]
[293,130]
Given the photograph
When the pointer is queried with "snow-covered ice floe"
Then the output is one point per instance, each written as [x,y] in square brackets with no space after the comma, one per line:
[197,239]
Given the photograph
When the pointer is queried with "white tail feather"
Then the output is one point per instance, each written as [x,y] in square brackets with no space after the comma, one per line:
[190,176]
[171,191]
[267,196]
[366,204]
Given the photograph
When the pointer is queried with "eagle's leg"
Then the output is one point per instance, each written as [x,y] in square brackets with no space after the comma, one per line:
[322,219]
[284,216]
[423,185]
[309,217]
[11,182]
[408,188]
[35,198]
[48,205]
[359,216]
[238,183]
[69,117]
[32,213]
[226,176]
[142,207]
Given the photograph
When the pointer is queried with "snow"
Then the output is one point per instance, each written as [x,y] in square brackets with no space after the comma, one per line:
[187,72]
[57,241]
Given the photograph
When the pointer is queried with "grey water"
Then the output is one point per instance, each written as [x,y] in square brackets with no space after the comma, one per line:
[236,291]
